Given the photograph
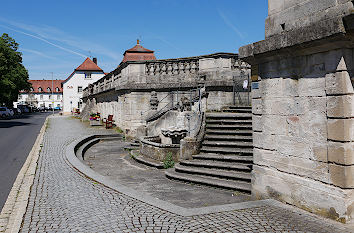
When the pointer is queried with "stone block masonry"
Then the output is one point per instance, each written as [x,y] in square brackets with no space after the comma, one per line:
[303,107]
[126,91]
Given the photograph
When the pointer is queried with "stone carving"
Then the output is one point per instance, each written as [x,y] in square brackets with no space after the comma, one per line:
[185,104]
[154,102]
[175,133]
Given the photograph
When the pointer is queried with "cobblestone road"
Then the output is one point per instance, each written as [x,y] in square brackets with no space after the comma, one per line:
[62,200]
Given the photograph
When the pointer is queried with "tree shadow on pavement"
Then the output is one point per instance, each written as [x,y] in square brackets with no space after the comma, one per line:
[9,124]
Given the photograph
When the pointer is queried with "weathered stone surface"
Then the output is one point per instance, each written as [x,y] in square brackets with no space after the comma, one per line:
[257,106]
[283,106]
[341,129]
[313,196]
[340,106]
[294,165]
[312,87]
[301,147]
[189,146]
[271,87]
[339,83]
[341,153]
[274,124]
[264,141]
[257,123]
[342,176]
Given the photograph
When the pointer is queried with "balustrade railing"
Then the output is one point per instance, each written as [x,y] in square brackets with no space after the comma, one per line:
[172,67]
[156,68]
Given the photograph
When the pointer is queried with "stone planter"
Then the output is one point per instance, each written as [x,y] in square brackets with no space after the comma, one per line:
[95,123]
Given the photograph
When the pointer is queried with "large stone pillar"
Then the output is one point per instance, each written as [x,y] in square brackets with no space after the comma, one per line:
[303,106]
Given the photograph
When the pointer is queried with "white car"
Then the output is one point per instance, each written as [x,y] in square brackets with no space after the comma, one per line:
[4,112]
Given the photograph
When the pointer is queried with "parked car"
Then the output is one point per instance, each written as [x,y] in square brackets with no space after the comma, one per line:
[4,112]
[12,113]
[57,108]
[17,111]
[41,109]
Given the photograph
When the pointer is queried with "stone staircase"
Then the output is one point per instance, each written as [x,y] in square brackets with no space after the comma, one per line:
[226,156]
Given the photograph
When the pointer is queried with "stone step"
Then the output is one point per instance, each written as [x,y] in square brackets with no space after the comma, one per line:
[228,132]
[232,175]
[219,157]
[136,144]
[215,137]
[144,160]
[227,144]
[228,121]
[227,150]
[228,115]
[240,110]
[231,127]
[207,180]
[217,165]
[239,107]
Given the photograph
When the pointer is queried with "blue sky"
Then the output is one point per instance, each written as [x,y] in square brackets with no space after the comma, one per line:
[56,36]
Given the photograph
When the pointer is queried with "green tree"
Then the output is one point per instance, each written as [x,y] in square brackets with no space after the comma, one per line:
[13,75]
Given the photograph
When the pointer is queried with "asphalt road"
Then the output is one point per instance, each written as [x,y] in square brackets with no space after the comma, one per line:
[17,137]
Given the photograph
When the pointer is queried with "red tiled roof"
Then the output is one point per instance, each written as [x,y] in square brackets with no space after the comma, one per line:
[139,48]
[138,57]
[138,53]
[44,85]
[88,65]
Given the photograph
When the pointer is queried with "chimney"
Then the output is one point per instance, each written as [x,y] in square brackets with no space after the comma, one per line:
[95,60]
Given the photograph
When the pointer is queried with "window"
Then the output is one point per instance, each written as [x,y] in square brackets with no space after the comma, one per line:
[41,97]
[19,97]
[79,89]
[87,75]
[31,89]
[48,89]
[49,97]
[58,97]
[40,89]
[57,89]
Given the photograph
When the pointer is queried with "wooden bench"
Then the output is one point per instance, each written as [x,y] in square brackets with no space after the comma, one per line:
[108,121]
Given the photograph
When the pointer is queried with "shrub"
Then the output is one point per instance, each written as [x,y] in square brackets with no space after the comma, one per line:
[168,161]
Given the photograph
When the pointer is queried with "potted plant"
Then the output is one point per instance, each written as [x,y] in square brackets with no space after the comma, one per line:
[95,119]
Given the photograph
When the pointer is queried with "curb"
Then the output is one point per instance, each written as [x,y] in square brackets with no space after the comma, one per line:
[16,204]
[164,205]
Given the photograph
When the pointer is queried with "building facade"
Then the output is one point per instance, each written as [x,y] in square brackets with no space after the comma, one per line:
[88,72]
[43,93]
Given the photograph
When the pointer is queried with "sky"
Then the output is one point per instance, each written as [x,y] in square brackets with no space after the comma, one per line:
[57,36]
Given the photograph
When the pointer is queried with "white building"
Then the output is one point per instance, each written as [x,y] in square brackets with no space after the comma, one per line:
[88,72]
[41,94]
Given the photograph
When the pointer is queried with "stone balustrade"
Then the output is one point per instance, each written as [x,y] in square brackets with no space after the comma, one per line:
[179,70]
[172,66]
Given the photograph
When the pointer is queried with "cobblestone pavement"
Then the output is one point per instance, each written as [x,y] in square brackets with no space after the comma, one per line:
[62,200]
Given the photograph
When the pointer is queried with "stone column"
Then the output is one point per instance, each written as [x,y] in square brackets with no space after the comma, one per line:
[302,104]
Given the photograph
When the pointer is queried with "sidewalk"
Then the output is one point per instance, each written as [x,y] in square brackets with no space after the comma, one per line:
[64,200]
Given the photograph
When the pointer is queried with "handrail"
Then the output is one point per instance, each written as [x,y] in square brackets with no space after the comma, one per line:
[167,107]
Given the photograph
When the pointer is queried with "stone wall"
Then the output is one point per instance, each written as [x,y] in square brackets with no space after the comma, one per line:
[126,91]
[303,110]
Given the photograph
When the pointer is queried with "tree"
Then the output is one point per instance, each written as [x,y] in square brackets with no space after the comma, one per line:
[13,75]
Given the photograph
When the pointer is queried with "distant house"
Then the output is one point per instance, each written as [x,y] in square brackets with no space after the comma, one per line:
[43,93]
[88,72]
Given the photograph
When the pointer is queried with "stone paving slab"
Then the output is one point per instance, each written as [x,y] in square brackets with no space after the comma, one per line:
[64,200]
[108,158]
